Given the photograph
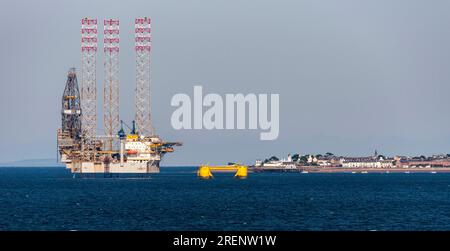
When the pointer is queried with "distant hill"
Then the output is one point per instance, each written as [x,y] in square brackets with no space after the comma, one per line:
[32,163]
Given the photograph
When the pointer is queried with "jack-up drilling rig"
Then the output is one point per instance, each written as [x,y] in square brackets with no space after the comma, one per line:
[139,151]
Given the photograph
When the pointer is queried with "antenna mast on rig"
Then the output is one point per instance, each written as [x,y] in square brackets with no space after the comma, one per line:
[88,76]
[142,47]
[111,121]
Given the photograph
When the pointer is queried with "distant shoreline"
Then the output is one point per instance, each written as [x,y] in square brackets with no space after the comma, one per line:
[354,170]
[304,169]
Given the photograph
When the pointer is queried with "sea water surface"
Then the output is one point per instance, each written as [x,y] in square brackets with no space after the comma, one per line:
[175,199]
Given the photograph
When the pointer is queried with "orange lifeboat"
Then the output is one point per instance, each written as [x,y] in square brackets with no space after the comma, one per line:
[169,149]
[132,152]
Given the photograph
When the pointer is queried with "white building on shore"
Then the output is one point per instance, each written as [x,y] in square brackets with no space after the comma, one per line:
[283,163]
[367,162]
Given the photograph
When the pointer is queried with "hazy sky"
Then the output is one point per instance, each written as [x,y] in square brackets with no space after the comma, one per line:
[353,76]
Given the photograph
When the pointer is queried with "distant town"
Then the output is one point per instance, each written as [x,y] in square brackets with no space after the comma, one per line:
[329,162]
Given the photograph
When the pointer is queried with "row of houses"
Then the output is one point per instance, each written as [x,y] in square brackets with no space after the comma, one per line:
[375,161]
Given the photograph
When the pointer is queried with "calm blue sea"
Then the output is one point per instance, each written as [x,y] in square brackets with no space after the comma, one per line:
[175,199]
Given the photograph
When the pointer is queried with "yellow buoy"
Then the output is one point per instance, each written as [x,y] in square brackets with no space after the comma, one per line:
[205,170]
[241,172]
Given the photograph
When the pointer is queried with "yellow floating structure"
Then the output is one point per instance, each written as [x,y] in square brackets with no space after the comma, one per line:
[204,171]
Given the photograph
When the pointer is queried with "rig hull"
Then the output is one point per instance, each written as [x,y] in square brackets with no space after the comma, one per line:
[115,168]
